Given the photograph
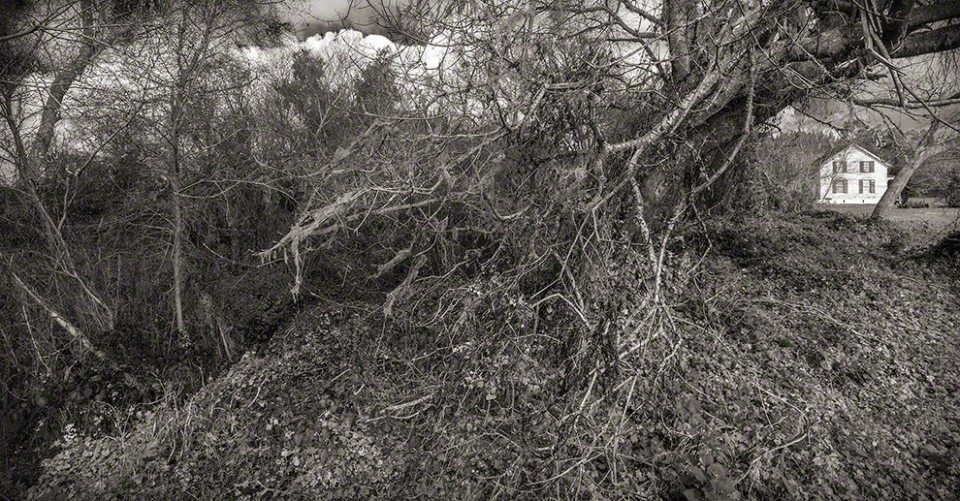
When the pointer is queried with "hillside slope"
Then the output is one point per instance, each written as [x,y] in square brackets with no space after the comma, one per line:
[810,358]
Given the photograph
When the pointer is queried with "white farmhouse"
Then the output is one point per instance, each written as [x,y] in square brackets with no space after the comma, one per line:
[852,175]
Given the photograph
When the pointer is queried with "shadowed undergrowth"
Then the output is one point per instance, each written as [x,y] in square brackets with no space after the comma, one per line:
[804,357]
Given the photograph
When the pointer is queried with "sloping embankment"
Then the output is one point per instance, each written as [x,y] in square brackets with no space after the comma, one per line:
[812,360]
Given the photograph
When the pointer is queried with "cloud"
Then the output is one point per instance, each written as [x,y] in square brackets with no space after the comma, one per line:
[345,53]
[313,17]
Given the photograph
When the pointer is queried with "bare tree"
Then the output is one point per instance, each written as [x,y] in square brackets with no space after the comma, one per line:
[192,67]
[177,48]
[545,156]
[73,34]
[683,66]
[656,93]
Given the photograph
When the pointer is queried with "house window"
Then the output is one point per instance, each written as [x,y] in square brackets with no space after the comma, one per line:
[839,166]
[840,186]
[866,166]
[868,186]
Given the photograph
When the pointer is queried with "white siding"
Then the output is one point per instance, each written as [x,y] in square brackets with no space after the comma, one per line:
[853,155]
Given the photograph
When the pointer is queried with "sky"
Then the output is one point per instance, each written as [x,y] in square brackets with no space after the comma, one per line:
[312,17]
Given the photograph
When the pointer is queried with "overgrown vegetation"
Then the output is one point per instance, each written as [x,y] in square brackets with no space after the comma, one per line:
[787,373]
[524,270]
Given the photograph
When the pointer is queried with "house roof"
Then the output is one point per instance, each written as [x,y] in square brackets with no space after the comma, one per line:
[843,147]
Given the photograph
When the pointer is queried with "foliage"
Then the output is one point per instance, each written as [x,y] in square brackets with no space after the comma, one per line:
[938,178]
[779,174]
[527,303]
[770,385]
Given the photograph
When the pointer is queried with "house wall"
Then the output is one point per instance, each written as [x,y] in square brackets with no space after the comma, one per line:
[853,157]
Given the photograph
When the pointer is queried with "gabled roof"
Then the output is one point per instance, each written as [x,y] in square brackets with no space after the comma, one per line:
[845,146]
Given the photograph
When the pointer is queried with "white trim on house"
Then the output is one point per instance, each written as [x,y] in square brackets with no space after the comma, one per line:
[864,150]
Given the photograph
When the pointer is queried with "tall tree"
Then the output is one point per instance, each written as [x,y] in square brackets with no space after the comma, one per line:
[177,48]
[68,35]
[195,68]
[686,67]
[609,119]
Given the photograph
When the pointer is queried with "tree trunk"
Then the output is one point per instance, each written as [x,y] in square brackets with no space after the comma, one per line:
[679,21]
[50,115]
[896,187]
[176,115]
[925,150]
[178,274]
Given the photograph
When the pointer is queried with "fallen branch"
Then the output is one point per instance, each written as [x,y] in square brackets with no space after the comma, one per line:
[67,326]
[400,407]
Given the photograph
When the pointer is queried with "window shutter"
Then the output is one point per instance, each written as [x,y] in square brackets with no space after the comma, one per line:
[861,181]
[863,168]
[873,185]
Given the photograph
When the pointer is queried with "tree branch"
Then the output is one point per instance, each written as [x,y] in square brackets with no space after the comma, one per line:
[928,42]
[67,326]
[940,11]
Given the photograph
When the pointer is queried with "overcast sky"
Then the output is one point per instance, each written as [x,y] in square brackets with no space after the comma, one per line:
[318,16]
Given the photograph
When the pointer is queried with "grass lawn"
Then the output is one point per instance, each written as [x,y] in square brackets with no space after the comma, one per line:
[926,225]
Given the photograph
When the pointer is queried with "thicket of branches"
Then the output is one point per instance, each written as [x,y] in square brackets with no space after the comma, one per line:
[526,171]
[528,193]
